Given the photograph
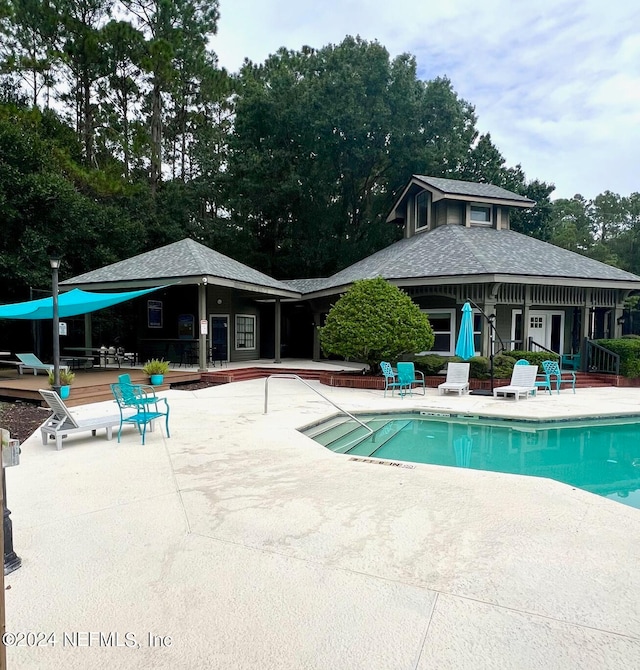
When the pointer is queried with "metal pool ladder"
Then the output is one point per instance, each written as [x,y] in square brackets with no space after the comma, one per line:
[322,395]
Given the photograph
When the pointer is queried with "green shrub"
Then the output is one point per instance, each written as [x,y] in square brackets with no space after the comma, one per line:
[375,321]
[67,377]
[430,364]
[479,367]
[156,367]
[628,349]
[533,357]
[502,366]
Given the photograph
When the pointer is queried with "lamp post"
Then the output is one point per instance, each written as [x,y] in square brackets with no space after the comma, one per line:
[9,448]
[55,266]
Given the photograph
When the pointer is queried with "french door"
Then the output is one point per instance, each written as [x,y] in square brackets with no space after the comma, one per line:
[219,338]
[545,328]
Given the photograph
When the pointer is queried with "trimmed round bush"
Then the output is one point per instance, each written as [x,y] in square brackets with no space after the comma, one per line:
[375,321]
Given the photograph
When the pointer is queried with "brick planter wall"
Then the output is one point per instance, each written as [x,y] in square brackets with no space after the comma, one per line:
[348,380]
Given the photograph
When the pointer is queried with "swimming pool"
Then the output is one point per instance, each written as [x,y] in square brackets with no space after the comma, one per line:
[599,456]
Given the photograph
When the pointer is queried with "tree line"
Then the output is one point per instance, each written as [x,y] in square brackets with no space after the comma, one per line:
[119,132]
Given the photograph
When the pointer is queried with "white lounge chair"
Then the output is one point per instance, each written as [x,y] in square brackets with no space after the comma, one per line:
[32,362]
[457,380]
[62,423]
[523,383]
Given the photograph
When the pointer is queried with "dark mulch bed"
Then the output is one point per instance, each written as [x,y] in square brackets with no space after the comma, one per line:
[21,418]
[192,386]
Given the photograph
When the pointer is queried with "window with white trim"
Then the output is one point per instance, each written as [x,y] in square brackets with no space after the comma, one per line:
[480,215]
[443,323]
[422,210]
[245,331]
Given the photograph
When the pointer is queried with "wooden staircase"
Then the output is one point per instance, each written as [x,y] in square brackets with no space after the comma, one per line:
[224,376]
[593,380]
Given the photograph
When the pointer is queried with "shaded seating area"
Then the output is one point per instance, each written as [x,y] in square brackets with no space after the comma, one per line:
[554,375]
[62,422]
[457,380]
[523,383]
[139,405]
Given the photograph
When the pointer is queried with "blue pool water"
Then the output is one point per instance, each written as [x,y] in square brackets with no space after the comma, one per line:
[602,457]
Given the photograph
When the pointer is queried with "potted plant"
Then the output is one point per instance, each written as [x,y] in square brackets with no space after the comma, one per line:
[156,369]
[66,379]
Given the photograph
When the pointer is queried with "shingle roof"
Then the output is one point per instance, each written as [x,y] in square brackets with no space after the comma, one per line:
[307,285]
[453,250]
[186,258]
[471,189]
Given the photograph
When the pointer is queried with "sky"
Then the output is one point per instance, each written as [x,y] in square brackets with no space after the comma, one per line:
[556,83]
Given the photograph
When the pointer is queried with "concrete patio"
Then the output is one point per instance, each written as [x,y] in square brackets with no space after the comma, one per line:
[253,547]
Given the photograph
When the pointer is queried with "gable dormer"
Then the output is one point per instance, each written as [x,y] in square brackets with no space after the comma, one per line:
[429,202]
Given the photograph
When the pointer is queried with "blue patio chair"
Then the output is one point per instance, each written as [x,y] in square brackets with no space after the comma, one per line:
[147,395]
[570,361]
[407,378]
[552,369]
[32,362]
[147,408]
[390,378]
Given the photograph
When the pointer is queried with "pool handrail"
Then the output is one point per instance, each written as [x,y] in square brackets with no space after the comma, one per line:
[322,395]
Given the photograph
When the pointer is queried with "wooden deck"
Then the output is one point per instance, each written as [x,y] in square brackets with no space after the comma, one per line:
[89,386]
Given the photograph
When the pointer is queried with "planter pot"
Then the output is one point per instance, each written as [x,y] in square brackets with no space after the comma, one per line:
[64,392]
[156,380]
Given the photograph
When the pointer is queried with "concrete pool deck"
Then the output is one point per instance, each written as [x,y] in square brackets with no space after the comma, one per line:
[251,546]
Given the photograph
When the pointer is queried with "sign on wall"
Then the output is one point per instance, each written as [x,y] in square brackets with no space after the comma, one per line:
[154,313]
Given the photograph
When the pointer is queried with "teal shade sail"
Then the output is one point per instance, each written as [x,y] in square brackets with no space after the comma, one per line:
[71,303]
[465,346]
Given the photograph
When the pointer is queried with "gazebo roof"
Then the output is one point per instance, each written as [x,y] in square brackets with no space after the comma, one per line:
[472,189]
[186,262]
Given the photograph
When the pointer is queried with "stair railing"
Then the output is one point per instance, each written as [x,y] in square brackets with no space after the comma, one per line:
[532,342]
[601,359]
[291,376]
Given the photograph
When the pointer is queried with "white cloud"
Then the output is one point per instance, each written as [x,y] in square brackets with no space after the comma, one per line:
[556,83]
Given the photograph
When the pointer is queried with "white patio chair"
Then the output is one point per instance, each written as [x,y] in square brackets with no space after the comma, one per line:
[457,380]
[523,383]
[62,423]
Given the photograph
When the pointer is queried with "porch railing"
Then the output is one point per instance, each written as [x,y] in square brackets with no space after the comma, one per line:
[540,347]
[600,359]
